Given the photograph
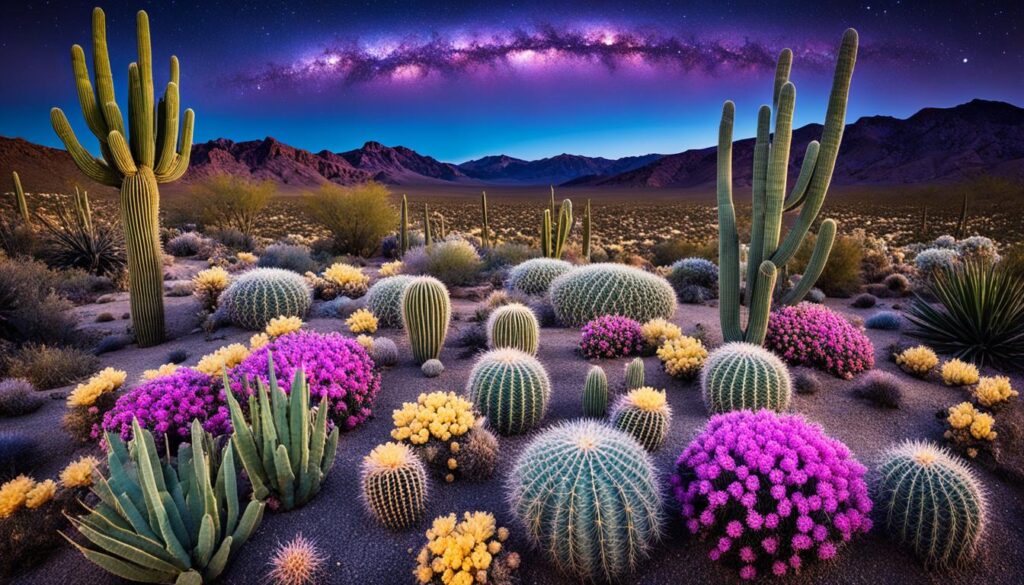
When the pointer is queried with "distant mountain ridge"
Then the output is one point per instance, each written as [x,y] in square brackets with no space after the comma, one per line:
[554,170]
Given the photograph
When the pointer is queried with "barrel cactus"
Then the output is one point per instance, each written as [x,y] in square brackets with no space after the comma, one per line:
[695,280]
[533,277]
[426,311]
[595,393]
[744,376]
[432,368]
[383,352]
[644,414]
[511,388]
[600,525]
[635,374]
[931,502]
[259,295]
[384,299]
[515,326]
[394,485]
[611,289]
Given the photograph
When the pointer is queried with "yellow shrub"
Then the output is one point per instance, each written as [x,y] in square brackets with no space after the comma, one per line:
[349,279]
[279,326]
[362,321]
[658,331]
[964,416]
[164,370]
[682,357]
[107,380]
[390,268]
[207,285]
[441,415]
[40,494]
[958,373]
[247,257]
[78,473]
[463,553]
[258,340]
[366,341]
[994,391]
[229,356]
[917,361]
[13,495]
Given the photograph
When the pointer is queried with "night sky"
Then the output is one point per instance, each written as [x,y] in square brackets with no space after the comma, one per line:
[458,80]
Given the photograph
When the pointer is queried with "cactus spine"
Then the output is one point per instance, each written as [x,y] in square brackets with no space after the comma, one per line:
[19,198]
[428,238]
[513,326]
[485,233]
[643,414]
[635,374]
[595,393]
[586,232]
[744,376]
[426,311]
[403,227]
[766,254]
[511,389]
[135,159]
[394,483]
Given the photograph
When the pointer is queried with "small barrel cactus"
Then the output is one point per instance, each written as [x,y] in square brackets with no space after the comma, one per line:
[601,525]
[432,368]
[533,277]
[695,280]
[743,376]
[635,374]
[394,483]
[259,295]
[426,311]
[511,388]
[595,393]
[611,289]
[513,326]
[931,502]
[383,352]
[644,414]
[384,299]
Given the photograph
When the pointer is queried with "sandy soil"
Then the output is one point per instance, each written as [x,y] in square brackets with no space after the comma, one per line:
[362,552]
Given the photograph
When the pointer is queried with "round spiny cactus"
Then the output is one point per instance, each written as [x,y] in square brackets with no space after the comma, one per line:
[533,277]
[432,368]
[383,352]
[644,414]
[931,502]
[635,374]
[511,389]
[514,326]
[426,311]
[595,393]
[585,293]
[744,376]
[259,295]
[394,484]
[384,299]
[587,495]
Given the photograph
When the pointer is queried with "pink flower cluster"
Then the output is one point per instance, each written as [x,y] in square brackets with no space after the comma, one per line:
[167,405]
[334,365]
[813,335]
[611,336]
[770,492]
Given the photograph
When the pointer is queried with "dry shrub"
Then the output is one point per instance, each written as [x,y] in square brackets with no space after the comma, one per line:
[842,274]
[228,202]
[48,367]
[669,251]
[358,217]
[30,309]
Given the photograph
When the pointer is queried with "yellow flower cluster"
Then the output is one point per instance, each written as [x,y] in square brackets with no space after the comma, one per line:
[86,394]
[279,326]
[78,473]
[246,257]
[362,321]
[391,268]
[40,493]
[682,357]
[441,415]
[164,370]
[958,373]
[994,391]
[258,340]
[211,279]
[460,554]
[917,361]
[366,341]
[350,279]
[23,491]
[229,356]
[964,416]
[647,399]
[389,456]
[658,331]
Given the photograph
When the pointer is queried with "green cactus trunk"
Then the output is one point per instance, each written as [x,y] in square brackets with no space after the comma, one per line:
[485,233]
[428,238]
[403,227]
[595,393]
[140,214]
[19,197]
[586,232]
[635,374]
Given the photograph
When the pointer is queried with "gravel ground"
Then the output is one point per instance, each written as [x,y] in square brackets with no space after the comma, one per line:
[362,552]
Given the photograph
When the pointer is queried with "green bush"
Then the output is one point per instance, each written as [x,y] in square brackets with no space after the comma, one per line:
[842,274]
[229,202]
[358,217]
[48,367]
[668,251]
[453,261]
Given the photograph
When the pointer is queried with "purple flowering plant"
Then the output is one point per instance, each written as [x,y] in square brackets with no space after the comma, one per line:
[770,492]
[813,335]
[611,336]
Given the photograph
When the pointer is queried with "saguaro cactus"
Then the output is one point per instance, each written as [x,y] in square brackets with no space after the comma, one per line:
[135,159]
[19,197]
[403,228]
[586,231]
[767,255]
[485,234]
[554,236]
[428,238]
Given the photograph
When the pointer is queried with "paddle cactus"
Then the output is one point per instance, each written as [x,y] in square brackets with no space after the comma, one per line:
[600,525]
[511,388]
[384,299]
[591,291]
[767,255]
[534,276]
[643,414]
[19,199]
[743,376]
[259,295]
[595,393]
[135,162]
[635,374]
[426,311]
[931,502]
[394,485]
[513,326]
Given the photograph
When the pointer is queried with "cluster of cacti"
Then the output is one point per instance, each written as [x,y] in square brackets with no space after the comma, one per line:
[595,393]
[159,522]
[513,326]
[466,552]
[403,227]
[643,413]
[766,254]
[151,154]
[284,447]
[384,299]
[600,526]
[634,374]
[932,503]
[534,276]
[485,225]
[611,289]
[587,232]
[20,201]
[259,295]
[383,352]
[553,236]
[511,388]
[744,376]
[426,311]
[394,485]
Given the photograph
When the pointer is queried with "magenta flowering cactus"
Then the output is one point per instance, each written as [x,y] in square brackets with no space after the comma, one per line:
[334,365]
[770,492]
[611,336]
[813,335]
[167,405]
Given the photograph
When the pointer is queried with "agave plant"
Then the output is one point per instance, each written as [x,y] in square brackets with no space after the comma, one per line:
[978,316]
[72,240]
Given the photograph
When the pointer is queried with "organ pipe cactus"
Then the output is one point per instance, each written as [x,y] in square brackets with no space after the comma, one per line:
[514,326]
[595,393]
[158,522]
[555,235]
[426,311]
[767,254]
[403,227]
[19,198]
[485,233]
[136,157]
[284,448]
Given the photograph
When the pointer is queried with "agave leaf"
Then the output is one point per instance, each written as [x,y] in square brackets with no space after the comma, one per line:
[122,569]
[126,550]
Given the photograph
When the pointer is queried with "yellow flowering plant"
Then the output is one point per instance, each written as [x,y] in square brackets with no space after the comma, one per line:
[959,373]
[207,285]
[362,321]
[279,326]
[970,429]
[41,493]
[444,429]
[390,269]
[78,473]
[994,391]
[164,370]
[466,553]
[917,361]
[682,357]
[365,341]
[13,495]
[105,381]
[258,340]
[229,356]
[657,331]
[349,280]
[246,257]
[89,401]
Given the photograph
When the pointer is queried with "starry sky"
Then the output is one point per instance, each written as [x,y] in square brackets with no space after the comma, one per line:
[458,80]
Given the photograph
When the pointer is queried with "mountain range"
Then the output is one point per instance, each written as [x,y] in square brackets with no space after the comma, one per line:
[935,144]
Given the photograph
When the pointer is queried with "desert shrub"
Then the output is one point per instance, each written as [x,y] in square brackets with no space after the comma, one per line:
[805,382]
[1013,259]
[235,239]
[348,280]
[17,240]
[361,321]
[816,296]
[682,357]
[89,402]
[931,260]
[207,286]
[897,284]
[739,488]
[657,332]
[881,388]
[667,252]
[478,541]
[864,301]
[453,261]
[179,289]
[258,296]
[958,373]
[611,336]
[970,430]
[611,289]
[71,240]
[189,244]
[884,320]
[694,279]
[113,342]
[978,249]
[18,397]
[994,392]
[917,361]
[30,310]
[230,202]
[545,312]
[508,254]
[296,258]
[739,376]
[384,299]
[48,367]
[358,217]
[815,336]
[842,274]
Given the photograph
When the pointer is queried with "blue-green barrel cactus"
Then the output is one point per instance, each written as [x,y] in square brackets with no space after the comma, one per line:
[634,374]
[533,277]
[591,291]
[744,376]
[259,295]
[645,415]
[426,312]
[514,326]
[511,388]
[384,300]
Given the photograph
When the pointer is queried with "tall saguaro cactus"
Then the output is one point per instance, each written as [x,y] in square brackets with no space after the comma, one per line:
[403,228]
[767,254]
[135,158]
[19,197]
[485,233]
[555,235]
